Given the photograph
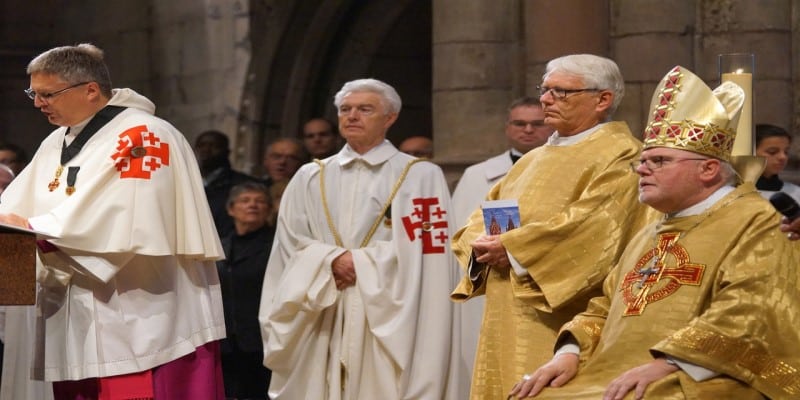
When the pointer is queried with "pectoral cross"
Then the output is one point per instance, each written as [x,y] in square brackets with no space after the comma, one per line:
[54,183]
[647,272]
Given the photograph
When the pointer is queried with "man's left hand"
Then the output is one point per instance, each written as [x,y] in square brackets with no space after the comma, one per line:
[490,251]
[15,220]
[344,271]
[638,378]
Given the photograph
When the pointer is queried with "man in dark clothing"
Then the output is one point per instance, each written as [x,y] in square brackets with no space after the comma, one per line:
[212,149]
[241,275]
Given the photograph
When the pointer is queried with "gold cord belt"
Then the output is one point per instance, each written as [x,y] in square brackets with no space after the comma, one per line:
[377,222]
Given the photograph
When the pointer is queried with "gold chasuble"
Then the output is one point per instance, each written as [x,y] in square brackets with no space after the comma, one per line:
[578,208]
[718,290]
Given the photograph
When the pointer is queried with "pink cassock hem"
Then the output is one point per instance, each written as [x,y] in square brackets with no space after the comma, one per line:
[196,376]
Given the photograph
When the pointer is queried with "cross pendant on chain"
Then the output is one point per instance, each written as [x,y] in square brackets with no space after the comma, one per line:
[647,272]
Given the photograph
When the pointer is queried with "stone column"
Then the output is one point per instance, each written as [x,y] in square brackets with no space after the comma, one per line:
[646,47]
[475,64]
[556,28]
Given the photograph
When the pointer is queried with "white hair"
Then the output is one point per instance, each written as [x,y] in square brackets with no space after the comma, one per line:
[597,73]
[729,174]
[389,97]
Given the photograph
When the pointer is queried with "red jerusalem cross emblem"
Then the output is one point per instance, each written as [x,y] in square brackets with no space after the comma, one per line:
[652,280]
[427,219]
[139,153]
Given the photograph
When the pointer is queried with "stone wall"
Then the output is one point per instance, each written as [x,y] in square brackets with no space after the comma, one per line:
[188,56]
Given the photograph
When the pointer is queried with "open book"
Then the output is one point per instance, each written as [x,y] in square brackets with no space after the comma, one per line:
[18,229]
[500,216]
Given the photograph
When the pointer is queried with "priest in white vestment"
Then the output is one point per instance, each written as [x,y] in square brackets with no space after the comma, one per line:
[129,299]
[355,301]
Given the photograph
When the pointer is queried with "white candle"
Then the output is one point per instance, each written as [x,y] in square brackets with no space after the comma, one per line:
[743,145]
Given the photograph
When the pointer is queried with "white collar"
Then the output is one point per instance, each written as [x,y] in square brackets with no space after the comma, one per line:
[557,140]
[374,156]
[704,204]
[76,129]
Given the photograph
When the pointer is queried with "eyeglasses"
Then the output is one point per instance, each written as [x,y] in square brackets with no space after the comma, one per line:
[522,124]
[657,162]
[561,94]
[47,96]
[282,157]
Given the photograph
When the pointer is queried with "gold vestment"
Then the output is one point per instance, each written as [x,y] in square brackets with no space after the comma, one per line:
[578,208]
[725,298]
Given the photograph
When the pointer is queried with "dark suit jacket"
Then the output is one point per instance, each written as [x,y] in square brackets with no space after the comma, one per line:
[241,276]
[217,194]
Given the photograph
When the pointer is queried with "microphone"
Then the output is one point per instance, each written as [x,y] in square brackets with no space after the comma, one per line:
[785,205]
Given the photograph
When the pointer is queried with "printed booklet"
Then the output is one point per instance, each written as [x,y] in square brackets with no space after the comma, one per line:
[500,216]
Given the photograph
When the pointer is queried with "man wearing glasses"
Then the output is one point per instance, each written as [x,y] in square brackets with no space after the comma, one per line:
[525,131]
[129,303]
[578,207]
[704,303]
[282,158]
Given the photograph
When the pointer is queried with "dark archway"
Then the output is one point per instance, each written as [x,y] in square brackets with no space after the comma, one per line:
[304,51]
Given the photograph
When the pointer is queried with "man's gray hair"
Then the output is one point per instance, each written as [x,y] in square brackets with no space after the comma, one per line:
[390,98]
[74,64]
[729,174]
[597,73]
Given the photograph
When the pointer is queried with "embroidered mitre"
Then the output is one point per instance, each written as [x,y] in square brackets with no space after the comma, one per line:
[686,114]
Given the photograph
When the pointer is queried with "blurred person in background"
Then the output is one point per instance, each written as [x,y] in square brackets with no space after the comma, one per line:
[417,146]
[6,176]
[773,143]
[13,156]
[241,276]
[320,138]
[282,158]
[212,149]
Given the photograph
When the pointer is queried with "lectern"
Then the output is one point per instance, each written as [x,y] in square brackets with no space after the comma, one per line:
[17,266]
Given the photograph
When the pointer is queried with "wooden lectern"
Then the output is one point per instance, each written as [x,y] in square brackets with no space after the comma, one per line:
[17,266]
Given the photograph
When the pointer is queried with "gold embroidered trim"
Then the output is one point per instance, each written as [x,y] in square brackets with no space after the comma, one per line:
[763,366]
[378,220]
[590,328]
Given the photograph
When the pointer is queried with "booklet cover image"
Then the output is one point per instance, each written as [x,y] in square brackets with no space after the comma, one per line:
[500,216]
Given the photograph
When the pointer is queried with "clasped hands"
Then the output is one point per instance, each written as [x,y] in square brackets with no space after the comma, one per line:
[563,367]
[344,271]
[490,251]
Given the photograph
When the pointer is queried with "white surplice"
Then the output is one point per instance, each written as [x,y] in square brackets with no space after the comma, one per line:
[390,336]
[133,284]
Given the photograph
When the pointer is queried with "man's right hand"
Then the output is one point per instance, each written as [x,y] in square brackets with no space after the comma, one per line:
[558,371]
[344,271]
[792,228]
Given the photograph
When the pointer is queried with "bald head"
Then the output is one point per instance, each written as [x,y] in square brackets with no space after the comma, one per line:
[6,176]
